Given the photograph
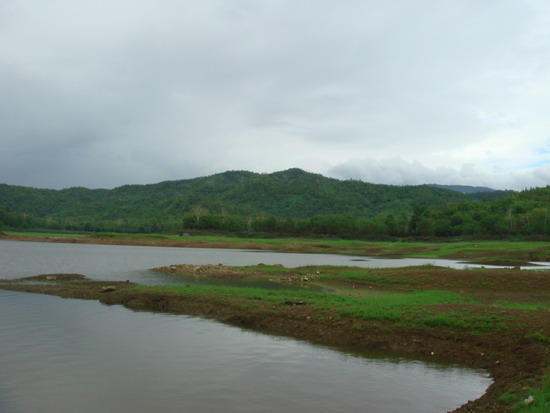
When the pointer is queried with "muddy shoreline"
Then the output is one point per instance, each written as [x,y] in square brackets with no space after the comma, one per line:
[511,359]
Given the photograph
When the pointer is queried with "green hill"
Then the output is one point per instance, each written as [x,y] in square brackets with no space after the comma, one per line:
[291,193]
[291,201]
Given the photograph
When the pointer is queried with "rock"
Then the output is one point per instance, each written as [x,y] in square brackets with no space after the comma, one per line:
[107,289]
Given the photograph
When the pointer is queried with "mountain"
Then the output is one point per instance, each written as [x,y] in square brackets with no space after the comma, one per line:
[291,201]
[481,193]
[463,189]
[291,193]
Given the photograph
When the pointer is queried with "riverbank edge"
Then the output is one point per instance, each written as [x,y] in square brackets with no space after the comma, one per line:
[510,363]
[499,258]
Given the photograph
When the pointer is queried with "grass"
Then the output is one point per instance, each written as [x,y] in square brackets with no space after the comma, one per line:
[413,297]
[371,276]
[542,306]
[539,336]
[47,234]
[540,395]
[410,309]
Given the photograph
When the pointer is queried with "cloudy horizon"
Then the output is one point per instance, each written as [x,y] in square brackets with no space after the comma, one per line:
[400,92]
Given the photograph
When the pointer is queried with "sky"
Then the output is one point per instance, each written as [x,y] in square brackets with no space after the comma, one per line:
[404,92]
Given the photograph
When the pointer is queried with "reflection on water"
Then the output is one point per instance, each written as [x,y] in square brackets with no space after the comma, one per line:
[64,355]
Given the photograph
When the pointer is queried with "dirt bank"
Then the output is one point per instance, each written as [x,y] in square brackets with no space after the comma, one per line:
[511,357]
[158,242]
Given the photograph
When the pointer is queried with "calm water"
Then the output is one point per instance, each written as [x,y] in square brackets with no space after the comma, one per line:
[81,356]
[115,262]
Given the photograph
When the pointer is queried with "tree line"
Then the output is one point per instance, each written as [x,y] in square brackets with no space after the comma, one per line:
[524,214]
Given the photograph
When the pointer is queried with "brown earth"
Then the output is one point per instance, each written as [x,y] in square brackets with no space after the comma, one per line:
[514,357]
[153,242]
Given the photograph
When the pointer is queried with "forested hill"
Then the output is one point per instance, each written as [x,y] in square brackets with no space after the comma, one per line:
[291,193]
[291,201]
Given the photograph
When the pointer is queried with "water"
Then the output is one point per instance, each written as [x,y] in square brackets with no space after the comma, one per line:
[82,356]
[119,263]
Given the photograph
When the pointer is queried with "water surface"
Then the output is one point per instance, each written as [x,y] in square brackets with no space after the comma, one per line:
[119,262]
[65,355]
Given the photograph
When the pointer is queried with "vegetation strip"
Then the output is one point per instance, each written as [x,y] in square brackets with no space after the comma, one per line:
[510,253]
[498,320]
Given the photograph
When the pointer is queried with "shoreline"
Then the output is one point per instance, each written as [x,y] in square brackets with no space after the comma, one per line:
[510,358]
[505,258]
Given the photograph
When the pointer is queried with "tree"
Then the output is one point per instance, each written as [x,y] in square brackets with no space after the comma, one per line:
[198,211]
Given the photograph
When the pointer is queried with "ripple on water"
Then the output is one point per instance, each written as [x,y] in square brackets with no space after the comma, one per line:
[75,355]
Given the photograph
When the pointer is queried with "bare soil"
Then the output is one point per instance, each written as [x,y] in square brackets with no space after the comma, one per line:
[514,357]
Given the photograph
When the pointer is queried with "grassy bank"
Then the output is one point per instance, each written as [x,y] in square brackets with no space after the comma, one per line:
[509,253]
[410,310]
[470,300]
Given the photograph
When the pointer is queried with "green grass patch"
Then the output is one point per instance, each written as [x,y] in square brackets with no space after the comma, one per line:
[369,276]
[446,320]
[409,309]
[46,234]
[540,306]
[509,397]
[540,397]
[539,336]
[271,269]
[131,236]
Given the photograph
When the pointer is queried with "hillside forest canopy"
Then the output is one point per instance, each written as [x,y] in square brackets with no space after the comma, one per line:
[286,203]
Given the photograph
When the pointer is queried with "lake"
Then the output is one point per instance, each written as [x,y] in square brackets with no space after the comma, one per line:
[82,356]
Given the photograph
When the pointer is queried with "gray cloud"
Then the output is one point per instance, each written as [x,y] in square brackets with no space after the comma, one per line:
[107,93]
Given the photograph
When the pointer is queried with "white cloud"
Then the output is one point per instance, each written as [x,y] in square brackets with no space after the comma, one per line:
[399,172]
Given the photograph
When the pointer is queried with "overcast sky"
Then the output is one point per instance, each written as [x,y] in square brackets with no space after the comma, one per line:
[110,92]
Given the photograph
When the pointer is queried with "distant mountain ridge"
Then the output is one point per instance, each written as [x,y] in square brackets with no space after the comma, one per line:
[463,189]
[481,193]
